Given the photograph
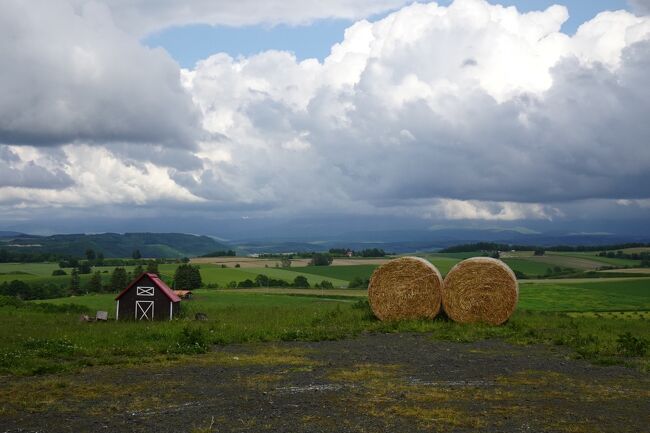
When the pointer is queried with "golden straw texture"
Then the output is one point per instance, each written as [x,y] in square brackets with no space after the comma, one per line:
[405,288]
[480,289]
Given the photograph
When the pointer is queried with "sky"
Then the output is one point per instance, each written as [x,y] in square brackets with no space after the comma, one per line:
[217,117]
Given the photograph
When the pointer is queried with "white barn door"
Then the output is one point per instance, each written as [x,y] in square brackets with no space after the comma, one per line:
[143,310]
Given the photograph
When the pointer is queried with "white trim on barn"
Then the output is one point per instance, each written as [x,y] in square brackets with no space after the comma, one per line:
[144,291]
[146,313]
[171,311]
[117,310]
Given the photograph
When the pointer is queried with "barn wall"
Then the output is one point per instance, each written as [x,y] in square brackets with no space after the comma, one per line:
[161,302]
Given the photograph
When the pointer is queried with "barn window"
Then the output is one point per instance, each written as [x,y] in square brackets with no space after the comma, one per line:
[145,291]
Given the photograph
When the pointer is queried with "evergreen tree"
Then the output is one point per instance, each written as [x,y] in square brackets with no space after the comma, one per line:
[136,254]
[187,277]
[152,267]
[119,279]
[137,270]
[95,283]
[75,283]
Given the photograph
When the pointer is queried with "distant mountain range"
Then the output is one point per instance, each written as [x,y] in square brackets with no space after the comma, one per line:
[154,245]
[174,245]
[404,241]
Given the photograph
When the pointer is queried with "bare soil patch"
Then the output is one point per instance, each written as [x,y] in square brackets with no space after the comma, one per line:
[376,383]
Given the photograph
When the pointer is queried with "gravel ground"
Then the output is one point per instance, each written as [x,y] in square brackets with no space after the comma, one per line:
[376,383]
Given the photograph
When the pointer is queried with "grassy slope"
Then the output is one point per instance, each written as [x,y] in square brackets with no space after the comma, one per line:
[345,273]
[606,261]
[528,267]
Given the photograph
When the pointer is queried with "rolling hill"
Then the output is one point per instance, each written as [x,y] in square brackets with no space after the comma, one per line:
[154,245]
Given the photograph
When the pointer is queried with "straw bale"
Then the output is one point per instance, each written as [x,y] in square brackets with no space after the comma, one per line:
[405,288]
[480,289]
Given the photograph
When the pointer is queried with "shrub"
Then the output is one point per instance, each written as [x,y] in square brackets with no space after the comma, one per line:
[629,345]
[58,272]
[301,282]
[191,340]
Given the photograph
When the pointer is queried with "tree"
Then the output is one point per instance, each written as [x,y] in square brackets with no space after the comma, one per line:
[187,277]
[152,267]
[262,280]
[540,252]
[90,254]
[95,283]
[136,254]
[247,283]
[58,272]
[75,283]
[138,270]
[285,262]
[100,259]
[85,268]
[301,282]
[119,279]
[358,283]
[321,259]
[326,284]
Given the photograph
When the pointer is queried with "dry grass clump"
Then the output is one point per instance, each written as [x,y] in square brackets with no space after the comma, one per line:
[480,289]
[404,289]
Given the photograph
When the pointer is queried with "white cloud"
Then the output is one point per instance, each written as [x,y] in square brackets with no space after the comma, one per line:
[397,112]
[472,111]
[143,16]
[69,74]
[505,211]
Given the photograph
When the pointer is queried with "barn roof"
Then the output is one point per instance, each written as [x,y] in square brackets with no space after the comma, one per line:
[157,282]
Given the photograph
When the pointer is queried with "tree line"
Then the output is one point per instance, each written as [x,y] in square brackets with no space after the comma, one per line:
[491,246]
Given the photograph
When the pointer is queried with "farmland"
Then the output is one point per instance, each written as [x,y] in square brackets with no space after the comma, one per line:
[281,343]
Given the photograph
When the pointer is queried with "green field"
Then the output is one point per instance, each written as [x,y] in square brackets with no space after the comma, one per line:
[341,273]
[528,267]
[37,341]
[586,296]
[606,261]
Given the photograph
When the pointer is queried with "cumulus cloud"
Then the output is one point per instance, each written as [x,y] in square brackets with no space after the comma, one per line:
[15,172]
[472,111]
[70,74]
[641,6]
[395,113]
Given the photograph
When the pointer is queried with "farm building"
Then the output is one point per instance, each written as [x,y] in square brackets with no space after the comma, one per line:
[147,298]
[183,294]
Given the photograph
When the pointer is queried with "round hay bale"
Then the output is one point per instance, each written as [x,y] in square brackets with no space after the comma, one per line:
[480,289]
[405,288]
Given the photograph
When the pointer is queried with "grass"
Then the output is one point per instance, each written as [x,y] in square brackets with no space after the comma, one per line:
[620,295]
[345,273]
[528,267]
[34,341]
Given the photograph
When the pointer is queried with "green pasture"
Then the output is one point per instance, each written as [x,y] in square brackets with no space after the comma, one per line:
[528,267]
[39,340]
[340,273]
[619,295]
[606,261]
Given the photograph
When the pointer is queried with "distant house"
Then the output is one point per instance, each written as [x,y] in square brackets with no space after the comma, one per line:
[147,298]
[183,294]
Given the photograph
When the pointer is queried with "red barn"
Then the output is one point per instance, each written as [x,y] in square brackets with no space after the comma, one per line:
[147,298]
